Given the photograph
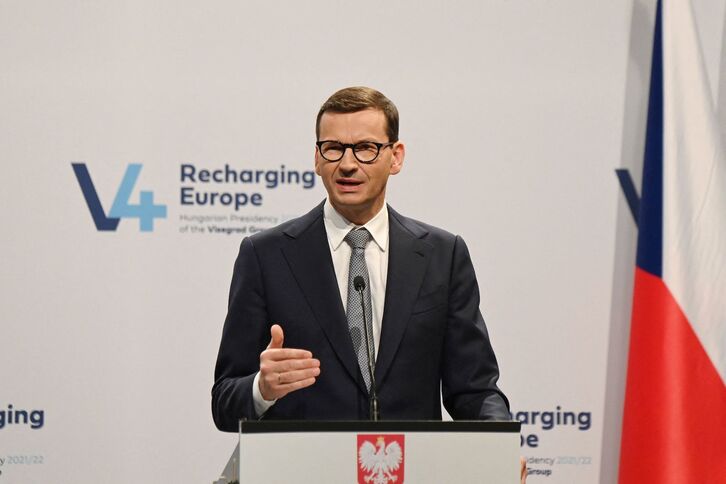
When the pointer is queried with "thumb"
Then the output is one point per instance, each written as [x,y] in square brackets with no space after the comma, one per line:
[277,336]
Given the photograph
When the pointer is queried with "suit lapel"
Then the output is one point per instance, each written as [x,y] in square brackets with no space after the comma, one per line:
[308,256]
[407,263]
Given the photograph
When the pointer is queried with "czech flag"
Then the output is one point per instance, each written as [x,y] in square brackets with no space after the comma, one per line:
[674,421]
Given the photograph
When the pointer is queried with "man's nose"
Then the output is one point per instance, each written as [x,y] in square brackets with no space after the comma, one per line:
[348,162]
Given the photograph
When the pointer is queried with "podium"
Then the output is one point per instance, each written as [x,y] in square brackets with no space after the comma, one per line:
[384,452]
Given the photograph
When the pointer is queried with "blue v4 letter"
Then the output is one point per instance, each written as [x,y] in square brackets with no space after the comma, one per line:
[145,210]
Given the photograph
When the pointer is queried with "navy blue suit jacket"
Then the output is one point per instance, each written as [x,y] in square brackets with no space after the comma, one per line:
[433,338]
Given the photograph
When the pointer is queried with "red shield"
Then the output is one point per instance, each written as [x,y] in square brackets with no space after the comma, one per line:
[380,458]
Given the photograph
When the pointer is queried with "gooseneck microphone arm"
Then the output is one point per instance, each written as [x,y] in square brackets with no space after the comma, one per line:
[359,284]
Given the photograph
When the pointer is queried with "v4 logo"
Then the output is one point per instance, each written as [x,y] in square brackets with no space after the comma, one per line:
[145,210]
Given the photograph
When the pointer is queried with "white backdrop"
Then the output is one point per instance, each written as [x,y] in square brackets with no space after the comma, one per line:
[514,114]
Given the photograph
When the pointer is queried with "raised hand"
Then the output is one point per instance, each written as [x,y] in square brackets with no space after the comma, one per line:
[284,370]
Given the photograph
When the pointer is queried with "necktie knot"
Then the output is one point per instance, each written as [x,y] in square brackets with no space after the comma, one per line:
[358,238]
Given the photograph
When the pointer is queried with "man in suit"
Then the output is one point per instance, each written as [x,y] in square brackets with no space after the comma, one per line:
[293,344]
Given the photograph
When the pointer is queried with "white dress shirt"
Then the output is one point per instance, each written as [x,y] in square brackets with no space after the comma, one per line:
[376,254]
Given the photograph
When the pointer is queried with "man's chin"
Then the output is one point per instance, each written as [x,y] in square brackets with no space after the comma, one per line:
[349,190]
[348,199]
[356,209]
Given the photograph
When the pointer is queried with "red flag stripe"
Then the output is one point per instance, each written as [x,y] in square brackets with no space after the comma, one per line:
[674,422]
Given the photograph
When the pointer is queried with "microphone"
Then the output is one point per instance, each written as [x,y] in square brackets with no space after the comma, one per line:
[359,285]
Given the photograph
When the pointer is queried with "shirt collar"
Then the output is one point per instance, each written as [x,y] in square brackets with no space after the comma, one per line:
[338,226]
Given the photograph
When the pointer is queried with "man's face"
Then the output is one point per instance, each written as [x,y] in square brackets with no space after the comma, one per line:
[357,190]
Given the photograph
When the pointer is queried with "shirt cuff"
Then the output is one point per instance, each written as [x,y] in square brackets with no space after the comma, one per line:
[261,405]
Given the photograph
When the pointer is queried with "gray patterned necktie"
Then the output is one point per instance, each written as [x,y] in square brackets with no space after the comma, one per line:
[357,239]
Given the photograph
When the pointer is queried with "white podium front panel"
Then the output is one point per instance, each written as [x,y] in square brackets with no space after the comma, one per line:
[379,452]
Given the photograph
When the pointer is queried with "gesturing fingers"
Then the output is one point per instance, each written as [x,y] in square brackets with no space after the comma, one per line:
[280,377]
[283,354]
[290,366]
[284,370]
[277,336]
[297,375]
[286,388]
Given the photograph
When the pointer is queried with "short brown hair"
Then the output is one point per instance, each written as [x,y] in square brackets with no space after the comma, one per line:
[354,99]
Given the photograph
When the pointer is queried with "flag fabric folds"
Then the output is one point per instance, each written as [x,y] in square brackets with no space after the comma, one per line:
[674,420]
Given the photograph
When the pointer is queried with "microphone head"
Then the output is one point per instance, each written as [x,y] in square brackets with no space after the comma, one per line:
[358,283]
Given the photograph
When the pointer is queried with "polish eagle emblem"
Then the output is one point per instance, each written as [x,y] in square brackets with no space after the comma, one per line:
[380,463]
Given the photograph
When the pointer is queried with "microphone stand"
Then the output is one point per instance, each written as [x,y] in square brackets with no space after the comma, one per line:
[373,396]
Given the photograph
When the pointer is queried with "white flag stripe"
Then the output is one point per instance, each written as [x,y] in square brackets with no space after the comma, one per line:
[694,173]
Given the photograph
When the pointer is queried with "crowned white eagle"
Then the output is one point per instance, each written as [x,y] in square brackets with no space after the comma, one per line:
[380,463]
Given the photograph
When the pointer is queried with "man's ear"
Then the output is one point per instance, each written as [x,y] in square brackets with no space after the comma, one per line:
[317,161]
[398,152]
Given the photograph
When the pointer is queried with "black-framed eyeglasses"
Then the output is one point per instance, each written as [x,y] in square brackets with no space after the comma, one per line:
[365,151]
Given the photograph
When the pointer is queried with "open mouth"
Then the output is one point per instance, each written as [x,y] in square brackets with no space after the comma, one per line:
[348,183]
